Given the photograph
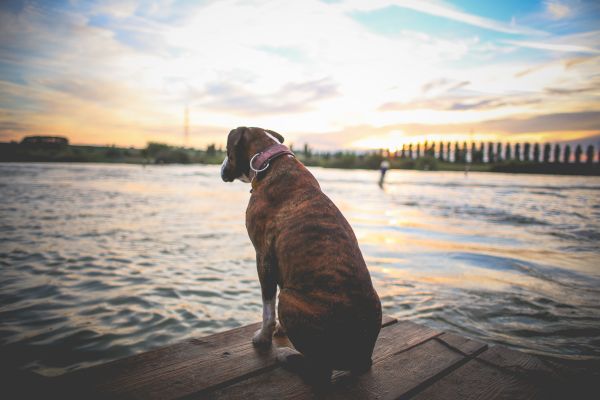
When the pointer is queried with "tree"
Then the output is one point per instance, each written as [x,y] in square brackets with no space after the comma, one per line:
[418,150]
[499,151]
[518,151]
[211,150]
[481,152]
[547,150]
[410,151]
[536,152]
[307,151]
[590,154]
[403,151]
[567,156]
[456,152]
[508,155]
[578,153]
[448,151]
[556,153]
[526,151]
[441,152]
[154,148]
[490,150]
[431,150]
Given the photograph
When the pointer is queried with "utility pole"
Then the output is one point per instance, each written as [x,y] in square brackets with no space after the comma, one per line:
[186,127]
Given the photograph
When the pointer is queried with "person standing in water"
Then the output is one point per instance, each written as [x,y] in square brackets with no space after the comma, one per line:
[383,167]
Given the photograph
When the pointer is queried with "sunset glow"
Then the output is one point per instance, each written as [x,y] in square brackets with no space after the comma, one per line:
[334,74]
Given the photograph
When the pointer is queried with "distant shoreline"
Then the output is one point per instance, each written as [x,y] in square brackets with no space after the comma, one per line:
[156,154]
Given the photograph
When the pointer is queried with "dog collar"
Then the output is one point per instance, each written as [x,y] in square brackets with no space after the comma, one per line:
[261,161]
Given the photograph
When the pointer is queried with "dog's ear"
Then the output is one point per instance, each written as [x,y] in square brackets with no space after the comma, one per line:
[235,137]
[277,135]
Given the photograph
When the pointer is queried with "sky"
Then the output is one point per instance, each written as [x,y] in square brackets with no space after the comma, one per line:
[344,74]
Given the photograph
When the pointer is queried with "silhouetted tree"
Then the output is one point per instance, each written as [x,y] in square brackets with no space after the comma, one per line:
[556,153]
[518,151]
[547,150]
[430,151]
[508,155]
[499,151]
[526,151]
[578,153]
[403,151]
[464,152]
[490,150]
[418,150]
[211,150]
[410,151]
[441,152]
[590,154]
[456,152]
[308,151]
[474,156]
[567,156]
[536,152]
[448,151]
[481,151]
[425,148]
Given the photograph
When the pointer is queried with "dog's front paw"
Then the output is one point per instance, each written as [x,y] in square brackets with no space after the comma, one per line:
[262,338]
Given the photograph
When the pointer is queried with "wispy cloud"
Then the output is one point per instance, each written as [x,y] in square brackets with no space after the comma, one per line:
[444,10]
[291,98]
[557,9]
[558,47]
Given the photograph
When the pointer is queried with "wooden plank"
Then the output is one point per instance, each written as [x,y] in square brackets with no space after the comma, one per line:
[400,374]
[477,380]
[466,346]
[181,369]
[393,341]
[516,362]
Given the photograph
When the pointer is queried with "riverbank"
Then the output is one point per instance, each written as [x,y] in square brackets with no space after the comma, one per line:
[157,153]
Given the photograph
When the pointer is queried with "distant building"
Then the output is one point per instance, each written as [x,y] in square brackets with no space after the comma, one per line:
[47,141]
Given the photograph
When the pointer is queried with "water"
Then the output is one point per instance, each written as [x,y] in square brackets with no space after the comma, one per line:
[98,262]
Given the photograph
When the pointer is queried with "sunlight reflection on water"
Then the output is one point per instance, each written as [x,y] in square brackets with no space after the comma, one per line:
[102,261]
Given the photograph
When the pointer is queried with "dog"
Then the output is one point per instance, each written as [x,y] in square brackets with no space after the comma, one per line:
[327,304]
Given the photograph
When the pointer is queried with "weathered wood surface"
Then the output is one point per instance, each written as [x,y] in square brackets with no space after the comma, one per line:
[409,361]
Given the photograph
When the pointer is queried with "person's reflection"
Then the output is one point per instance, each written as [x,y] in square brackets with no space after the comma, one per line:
[383,167]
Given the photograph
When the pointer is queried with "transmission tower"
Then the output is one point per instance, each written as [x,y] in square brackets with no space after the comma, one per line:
[186,127]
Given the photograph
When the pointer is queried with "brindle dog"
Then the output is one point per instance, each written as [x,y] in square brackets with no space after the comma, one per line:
[327,304]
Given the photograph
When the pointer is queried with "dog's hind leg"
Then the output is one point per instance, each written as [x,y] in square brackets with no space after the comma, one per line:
[289,357]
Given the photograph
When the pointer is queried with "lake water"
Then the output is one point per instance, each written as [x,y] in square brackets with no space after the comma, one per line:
[98,262]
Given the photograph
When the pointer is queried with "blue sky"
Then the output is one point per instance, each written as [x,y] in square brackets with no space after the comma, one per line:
[335,74]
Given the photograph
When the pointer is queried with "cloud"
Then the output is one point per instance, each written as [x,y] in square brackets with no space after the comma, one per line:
[548,127]
[453,103]
[291,98]
[557,10]
[441,9]
[558,47]
[443,85]
[576,121]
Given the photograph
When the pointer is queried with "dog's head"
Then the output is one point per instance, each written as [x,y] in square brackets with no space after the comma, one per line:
[242,144]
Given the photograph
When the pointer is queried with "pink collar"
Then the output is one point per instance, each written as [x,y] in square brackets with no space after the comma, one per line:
[260,161]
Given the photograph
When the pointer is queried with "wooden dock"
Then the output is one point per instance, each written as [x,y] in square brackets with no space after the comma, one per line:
[409,361]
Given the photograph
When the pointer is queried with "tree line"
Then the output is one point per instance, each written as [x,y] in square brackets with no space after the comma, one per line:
[492,152]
